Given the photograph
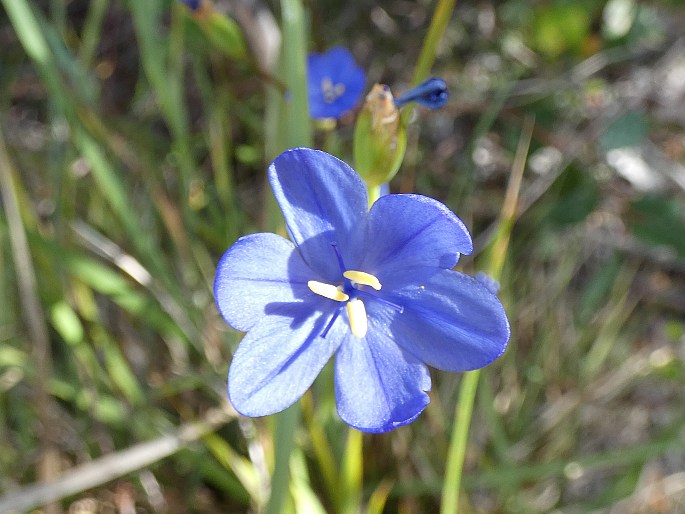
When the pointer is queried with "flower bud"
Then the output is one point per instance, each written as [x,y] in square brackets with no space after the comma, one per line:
[431,93]
[380,138]
[222,31]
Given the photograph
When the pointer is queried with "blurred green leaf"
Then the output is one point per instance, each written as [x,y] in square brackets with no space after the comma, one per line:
[216,475]
[121,374]
[577,196]
[248,154]
[225,34]
[304,497]
[66,322]
[351,471]
[628,130]
[598,288]
[241,467]
[675,330]
[379,497]
[560,27]
[660,221]
[107,409]
[10,356]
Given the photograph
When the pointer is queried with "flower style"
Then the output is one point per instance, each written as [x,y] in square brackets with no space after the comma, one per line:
[335,83]
[374,288]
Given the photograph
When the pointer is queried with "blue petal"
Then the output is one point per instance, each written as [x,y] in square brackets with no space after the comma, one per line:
[338,66]
[378,386]
[413,230]
[450,321]
[336,63]
[257,271]
[488,282]
[279,359]
[324,201]
[432,93]
[193,5]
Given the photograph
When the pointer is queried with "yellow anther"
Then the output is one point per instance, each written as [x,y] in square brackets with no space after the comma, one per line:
[356,312]
[365,279]
[327,291]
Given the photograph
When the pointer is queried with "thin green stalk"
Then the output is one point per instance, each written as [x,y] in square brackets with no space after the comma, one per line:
[441,18]
[298,124]
[374,194]
[516,476]
[284,442]
[163,65]
[31,37]
[439,22]
[457,449]
[91,31]
[350,492]
[494,264]
[34,316]
[297,127]
[328,467]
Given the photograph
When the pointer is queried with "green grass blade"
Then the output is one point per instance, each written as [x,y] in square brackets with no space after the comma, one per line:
[297,128]
[467,393]
[350,497]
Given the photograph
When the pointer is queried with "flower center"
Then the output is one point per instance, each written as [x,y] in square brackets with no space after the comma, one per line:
[331,92]
[348,293]
[356,312]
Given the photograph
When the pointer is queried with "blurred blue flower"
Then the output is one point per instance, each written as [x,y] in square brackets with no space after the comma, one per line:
[431,93]
[335,83]
[374,288]
[193,5]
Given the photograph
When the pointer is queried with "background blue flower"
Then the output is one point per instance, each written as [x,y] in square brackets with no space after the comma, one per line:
[193,5]
[335,83]
[298,300]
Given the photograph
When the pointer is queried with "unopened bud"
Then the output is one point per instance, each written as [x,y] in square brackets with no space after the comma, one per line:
[380,138]
[431,93]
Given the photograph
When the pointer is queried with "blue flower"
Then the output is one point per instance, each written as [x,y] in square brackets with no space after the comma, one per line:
[431,93]
[193,5]
[374,288]
[335,83]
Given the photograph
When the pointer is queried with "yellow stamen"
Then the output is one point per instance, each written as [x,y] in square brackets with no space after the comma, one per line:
[356,312]
[365,279]
[327,291]
[331,92]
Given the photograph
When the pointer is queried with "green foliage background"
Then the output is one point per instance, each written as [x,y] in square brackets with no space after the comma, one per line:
[134,139]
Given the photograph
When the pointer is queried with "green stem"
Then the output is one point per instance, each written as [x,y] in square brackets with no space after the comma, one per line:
[439,22]
[374,194]
[298,132]
[495,258]
[441,18]
[284,442]
[350,493]
[298,123]
[457,450]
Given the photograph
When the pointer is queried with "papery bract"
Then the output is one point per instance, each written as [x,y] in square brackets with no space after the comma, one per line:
[372,288]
